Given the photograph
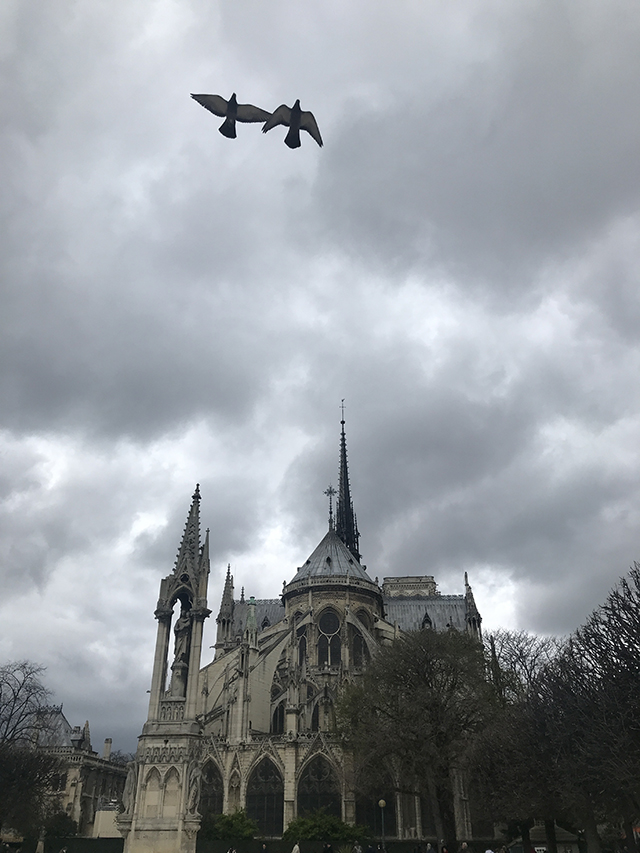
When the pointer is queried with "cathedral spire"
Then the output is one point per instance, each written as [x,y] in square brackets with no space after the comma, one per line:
[188,553]
[226,605]
[346,525]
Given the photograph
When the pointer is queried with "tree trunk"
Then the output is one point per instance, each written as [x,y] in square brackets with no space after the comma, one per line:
[630,839]
[526,838]
[591,832]
[437,811]
[550,832]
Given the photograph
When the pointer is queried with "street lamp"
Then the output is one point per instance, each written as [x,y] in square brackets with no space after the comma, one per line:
[382,804]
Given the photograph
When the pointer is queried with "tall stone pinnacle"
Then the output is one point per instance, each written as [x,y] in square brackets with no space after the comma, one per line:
[346,524]
[188,553]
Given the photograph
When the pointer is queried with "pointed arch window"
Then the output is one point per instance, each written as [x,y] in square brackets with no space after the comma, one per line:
[171,794]
[277,720]
[301,634]
[152,794]
[359,650]
[323,651]
[329,643]
[211,790]
[318,789]
[367,809]
[265,798]
[365,618]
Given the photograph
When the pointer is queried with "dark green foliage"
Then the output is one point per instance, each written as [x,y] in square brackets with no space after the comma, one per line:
[565,744]
[228,827]
[60,825]
[26,777]
[319,826]
[121,758]
[418,708]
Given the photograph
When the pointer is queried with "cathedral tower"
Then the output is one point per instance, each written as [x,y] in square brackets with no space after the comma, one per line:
[163,786]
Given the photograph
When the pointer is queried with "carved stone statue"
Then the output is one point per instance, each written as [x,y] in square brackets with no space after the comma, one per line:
[195,782]
[129,793]
[180,665]
[182,631]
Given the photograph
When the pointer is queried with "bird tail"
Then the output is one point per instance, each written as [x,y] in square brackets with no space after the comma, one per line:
[228,128]
[292,139]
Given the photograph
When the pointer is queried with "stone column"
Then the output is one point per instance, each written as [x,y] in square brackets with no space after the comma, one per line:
[289,784]
[159,662]
[191,707]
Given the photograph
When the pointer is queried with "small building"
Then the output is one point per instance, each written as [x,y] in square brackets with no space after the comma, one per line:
[88,784]
[566,842]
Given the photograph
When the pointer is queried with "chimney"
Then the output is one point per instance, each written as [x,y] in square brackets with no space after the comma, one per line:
[107,749]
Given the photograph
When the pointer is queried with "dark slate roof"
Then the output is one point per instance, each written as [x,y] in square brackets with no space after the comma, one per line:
[443,610]
[269,608]
[57,731]
[330,559]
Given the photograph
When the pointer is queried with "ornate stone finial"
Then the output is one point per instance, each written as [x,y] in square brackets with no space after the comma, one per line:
[330,492]
[242,594]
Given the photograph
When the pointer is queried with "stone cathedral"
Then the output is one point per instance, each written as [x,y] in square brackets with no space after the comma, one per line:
[254,727]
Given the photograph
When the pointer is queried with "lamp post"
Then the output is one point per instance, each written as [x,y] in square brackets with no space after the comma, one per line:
[382,804]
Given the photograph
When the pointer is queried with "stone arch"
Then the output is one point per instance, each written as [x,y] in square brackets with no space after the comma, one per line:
[319,788]
[359,653]
[365,617]
[376,784]
[171,798]
[302,645]
[211,789]
[329,648]
[277,719]
[265,797]
[152,786]
[235,783]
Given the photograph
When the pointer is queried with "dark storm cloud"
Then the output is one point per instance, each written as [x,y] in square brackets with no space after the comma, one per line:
[459,262]
[533,155]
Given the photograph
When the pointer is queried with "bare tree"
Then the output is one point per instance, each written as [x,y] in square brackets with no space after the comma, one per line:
[417,708]
[23,702]
[26,773]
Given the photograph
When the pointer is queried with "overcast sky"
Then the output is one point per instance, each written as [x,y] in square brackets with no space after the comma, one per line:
[459,262]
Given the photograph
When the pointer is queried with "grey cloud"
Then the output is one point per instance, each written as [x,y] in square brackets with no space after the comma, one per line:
[533,155]
[176,307]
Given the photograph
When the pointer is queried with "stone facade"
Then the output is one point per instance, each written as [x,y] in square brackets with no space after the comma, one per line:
[254,727]
[88,783]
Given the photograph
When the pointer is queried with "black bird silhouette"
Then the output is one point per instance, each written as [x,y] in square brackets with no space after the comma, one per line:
[296,120]
[232,112]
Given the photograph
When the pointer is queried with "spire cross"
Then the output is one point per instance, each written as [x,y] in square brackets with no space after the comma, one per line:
[330,492]
[342,409]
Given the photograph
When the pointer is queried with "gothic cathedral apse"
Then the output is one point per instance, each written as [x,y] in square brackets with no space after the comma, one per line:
[254,727]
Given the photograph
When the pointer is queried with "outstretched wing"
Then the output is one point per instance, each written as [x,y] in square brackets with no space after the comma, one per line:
[249,113]
[213,103]
[280,116]
[308,123]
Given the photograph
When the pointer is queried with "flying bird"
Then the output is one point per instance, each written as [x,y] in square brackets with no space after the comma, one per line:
[232,112]
[296,120]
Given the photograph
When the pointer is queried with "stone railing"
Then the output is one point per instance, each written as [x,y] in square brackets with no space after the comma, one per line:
[171,710]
